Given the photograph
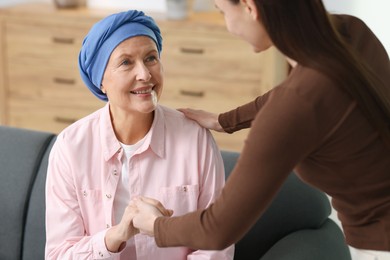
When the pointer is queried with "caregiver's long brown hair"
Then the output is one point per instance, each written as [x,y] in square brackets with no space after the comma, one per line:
[304,32]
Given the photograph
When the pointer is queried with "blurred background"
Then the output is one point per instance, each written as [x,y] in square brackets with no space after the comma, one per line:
[375,12]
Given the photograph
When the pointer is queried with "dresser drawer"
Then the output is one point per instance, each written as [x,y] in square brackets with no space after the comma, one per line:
[210,55]
[47,115]
[202,70]
[33,45]
[207,94]
[46,82]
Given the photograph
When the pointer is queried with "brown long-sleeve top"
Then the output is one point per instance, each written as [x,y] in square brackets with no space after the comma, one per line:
[312,126]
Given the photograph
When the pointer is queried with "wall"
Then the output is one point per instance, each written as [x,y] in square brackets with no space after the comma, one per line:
[150,5]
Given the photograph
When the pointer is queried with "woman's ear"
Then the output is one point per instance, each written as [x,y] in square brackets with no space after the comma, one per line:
[251,8]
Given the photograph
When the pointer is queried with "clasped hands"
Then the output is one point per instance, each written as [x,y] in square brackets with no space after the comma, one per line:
[142,212]
[146,211]
[139,217]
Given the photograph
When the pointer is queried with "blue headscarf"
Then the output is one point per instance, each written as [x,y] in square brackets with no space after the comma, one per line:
[104,37]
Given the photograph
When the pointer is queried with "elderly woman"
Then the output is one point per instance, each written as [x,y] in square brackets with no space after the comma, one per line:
[130,147]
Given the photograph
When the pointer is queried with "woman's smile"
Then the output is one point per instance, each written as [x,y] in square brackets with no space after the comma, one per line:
[142,91]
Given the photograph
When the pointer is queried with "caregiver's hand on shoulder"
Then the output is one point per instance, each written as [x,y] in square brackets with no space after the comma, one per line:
[203,118]
[148,210]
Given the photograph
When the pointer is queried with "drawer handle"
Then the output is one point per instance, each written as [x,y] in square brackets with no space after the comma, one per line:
[64,120]
[64,81]
[192,93]
[63,40]
[192,51]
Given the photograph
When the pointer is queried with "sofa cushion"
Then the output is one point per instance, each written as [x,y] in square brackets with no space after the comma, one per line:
[20,157]
[324,243]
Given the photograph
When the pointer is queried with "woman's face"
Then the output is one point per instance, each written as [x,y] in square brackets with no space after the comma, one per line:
[133,77]
[243,20]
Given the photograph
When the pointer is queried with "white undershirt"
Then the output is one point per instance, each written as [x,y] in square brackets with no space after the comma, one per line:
[122,195]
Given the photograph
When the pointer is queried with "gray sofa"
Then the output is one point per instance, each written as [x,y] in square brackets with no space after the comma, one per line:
[296,226]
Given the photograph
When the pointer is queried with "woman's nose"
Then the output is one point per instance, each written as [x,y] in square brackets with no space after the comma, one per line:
[143,72]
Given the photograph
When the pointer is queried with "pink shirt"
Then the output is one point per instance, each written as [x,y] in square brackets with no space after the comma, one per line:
[178,163]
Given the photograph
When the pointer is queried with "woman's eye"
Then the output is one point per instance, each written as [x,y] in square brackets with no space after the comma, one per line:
[125,63]
[151,59]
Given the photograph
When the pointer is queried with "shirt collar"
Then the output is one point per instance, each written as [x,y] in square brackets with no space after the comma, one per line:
[155,138]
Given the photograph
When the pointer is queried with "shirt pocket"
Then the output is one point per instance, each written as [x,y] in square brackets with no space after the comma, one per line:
[182,199]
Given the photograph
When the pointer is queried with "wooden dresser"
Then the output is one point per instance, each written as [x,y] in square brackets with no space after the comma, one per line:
[205,67]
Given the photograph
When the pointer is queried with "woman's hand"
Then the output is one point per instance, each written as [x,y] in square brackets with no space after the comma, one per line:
[203,118]
[117,235]
[148,211]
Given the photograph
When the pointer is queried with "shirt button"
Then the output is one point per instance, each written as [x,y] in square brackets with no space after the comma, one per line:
[185,189]
[115,172]
[101,254]
[108,196]
[108,226]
